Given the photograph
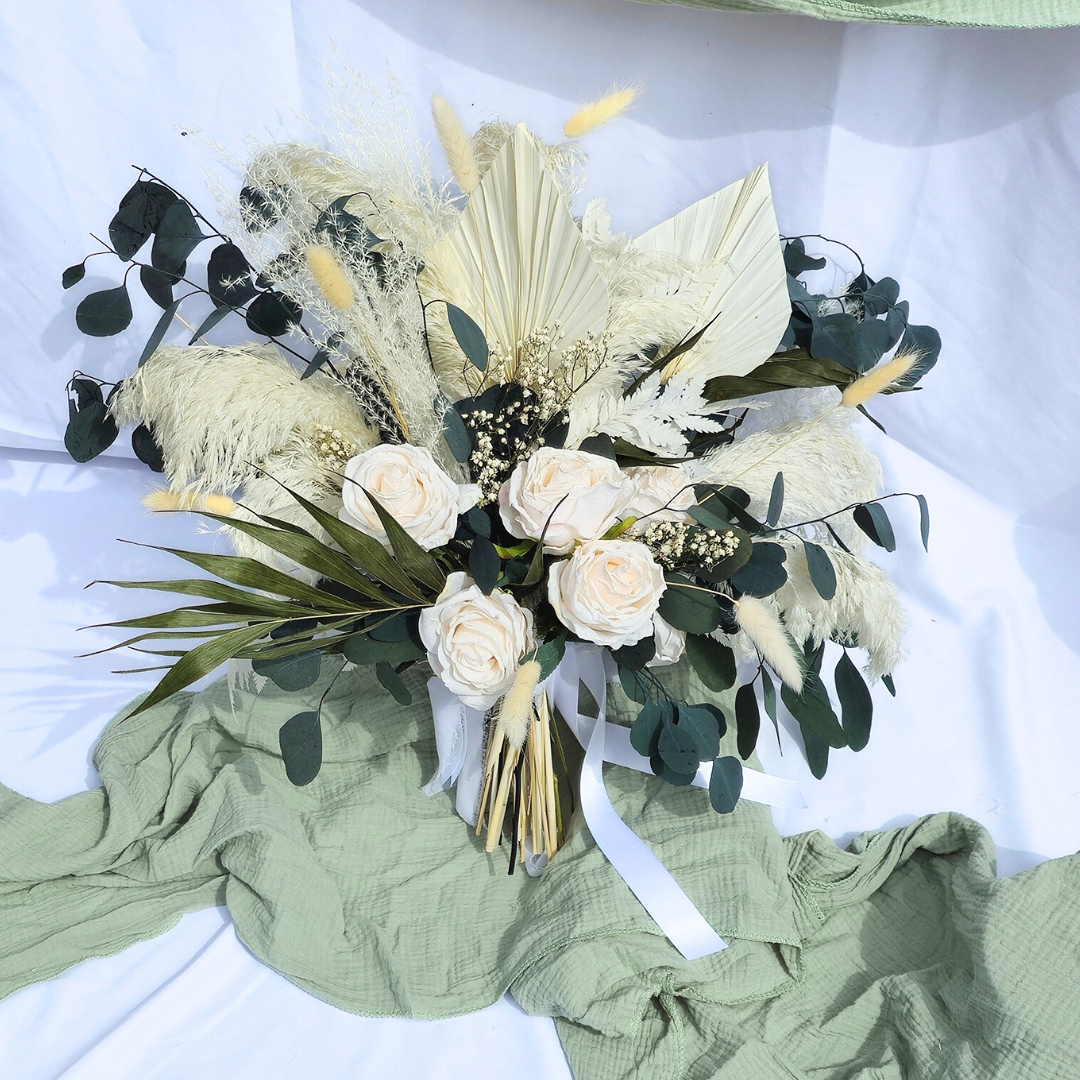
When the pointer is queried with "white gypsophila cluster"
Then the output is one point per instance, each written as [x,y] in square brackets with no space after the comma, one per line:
[865,609]
[675,542]
[825,467]
[653,417]
[219,414]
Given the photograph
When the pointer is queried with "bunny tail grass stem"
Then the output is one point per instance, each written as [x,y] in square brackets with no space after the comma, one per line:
[517,705]
[763,627]
[330,277]
[596,113]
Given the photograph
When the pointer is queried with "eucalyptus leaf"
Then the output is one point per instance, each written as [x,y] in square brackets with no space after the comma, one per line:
[636,655]
[776,500]
[484,564]
[158,333]
[456,435]
[924,341]
[713,661]
[702,726]
[631,685]
[176,238]
[73,275]
[146,448]
[874,521]
[363,650]
[392,681]
[550,653]
[822,571]
[764,571]
[678,748]
[158,285]
[209,323]
[273,314]
[856,704]
[469,336]
[725,784]
[924,521]
[814,711]
[102,314]
[300,740]
[669,775]
[90,431]
[228,276]
[689,607]
[292,672]
[768,699]
[889,684]
[747,719]
[796,261]
[817,754]
[141,211]
[645,730]
[479,522]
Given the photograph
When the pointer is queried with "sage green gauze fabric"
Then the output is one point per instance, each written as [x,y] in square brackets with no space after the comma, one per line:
[904,957]
[1032,14]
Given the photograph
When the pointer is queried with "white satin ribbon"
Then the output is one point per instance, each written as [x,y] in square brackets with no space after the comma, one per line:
[459,733]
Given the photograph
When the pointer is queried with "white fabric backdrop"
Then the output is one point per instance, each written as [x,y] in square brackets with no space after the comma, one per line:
[950,159]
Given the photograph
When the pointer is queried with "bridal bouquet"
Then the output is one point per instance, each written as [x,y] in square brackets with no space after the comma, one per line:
[479,433]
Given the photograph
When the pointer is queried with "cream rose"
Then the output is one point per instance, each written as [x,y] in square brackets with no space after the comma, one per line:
[670,643]
[583,495]
[475,642]
[411,486]
[607,591]
[663,492]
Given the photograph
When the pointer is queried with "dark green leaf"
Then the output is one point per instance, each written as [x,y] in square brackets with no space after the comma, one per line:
[141,212]
[412,558]
[209,323]
[292,672]
[86,391]
[872,519]
[478,521]
[713,661]
[456,435]
[102,314]
[390,679]
[814,711]
[776,500]
[300,739]
[550,653]
[889,684]
[925,341]
[158,285]
[90,431]
[645,730]
[631,685]
[796,261]
[666,773]
[362,650]
[678,748]
[726,503]
[768,695]
[817,754]
[747,719]
[337,226]
[321,357]
[857,345]
[146,448]
[924,521]
[764,571]
[469,337]
[159,331]
[701,725]
[394,628]
[856,704]
[822,572]
[725,784]
[689,607]
[636,655]
[228,276]
[484,564]
[723,569]
[601,445]
[880,297]
[177,237]
[272,314]
[73,275]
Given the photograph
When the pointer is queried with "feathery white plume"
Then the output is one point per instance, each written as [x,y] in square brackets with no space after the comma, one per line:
[455,144]
[763,627]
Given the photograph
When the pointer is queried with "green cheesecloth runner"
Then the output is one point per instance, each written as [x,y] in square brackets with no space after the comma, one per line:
[902,957]
[999,13]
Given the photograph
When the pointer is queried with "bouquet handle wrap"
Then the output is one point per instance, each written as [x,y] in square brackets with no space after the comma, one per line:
[459,736]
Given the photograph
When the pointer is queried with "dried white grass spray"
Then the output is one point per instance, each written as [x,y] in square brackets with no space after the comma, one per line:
[763,627]
[455,144]
[596,113]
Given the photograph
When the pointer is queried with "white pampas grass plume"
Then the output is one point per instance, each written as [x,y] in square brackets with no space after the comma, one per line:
[516,709]
[455,144]
[596,113]
[880,378]
[163,499]
[330,277]
[763,627]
